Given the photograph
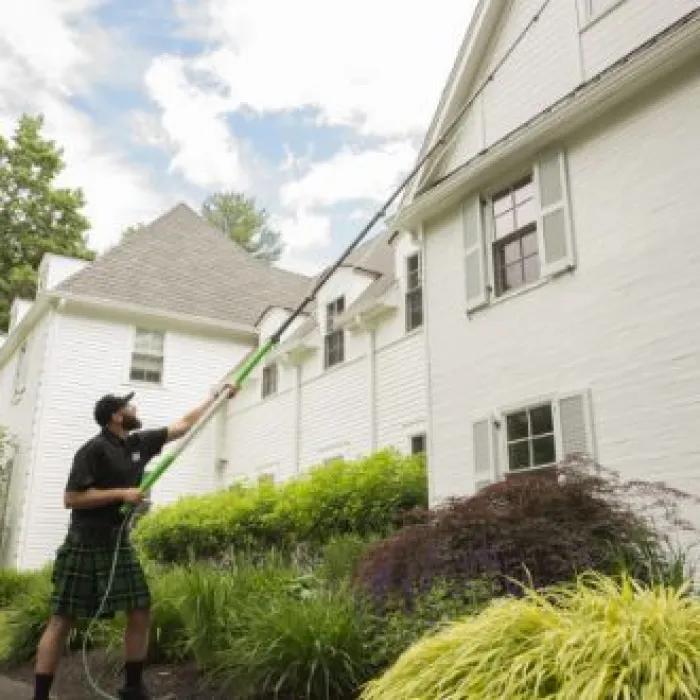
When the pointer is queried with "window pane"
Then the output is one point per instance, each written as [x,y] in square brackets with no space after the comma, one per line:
[532,269]
[541,420]
[525,192]
[550,182]
[517,426]
[529,244]
[519,455]
[525,214]
[502,204]
[544,450]
[514,276]
[512,252]
[504,224]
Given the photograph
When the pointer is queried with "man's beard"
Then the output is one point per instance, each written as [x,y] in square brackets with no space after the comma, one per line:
[130,423]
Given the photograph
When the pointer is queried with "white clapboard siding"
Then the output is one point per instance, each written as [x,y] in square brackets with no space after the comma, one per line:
[90,357]
[624,326]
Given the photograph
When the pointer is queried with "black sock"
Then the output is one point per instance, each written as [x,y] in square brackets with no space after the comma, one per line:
[134,670]
[42,687]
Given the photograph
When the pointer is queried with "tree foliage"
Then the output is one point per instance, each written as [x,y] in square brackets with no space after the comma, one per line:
[244,222]
[36,215]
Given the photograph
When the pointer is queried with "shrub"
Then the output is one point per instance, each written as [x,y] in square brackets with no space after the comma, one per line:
[314,647]
[532,529]
[599,638]
[13,583]
[364,497]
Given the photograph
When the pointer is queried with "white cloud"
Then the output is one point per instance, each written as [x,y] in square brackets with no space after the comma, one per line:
[303,230]
[351,175]
[43,62]
[378,66]
[205,151]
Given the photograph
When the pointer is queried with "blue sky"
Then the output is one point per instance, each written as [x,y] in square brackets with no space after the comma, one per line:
[316,109]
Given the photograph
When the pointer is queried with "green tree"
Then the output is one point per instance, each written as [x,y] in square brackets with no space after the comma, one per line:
[36,216]
[240,218]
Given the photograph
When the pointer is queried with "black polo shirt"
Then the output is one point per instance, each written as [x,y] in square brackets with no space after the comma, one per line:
[110,462]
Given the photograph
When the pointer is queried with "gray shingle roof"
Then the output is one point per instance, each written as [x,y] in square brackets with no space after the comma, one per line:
[180,263]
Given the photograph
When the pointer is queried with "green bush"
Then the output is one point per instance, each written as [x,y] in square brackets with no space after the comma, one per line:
[363,497]
[600,638]
[315,647]
[13,583]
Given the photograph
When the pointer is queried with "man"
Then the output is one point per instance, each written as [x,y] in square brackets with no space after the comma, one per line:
[105,475]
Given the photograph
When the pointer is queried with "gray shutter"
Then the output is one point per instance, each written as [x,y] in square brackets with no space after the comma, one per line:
[484,453]
[575,422]
[554,228]
[474,253]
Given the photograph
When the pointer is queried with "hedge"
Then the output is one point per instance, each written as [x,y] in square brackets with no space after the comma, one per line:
[365,497]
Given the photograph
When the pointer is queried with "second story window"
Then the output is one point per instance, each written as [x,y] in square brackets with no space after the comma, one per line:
[414,292]
[334,338]
[515,250]
[269,380]
[147,357]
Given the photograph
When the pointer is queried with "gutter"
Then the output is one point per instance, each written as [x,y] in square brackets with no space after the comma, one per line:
[652,60]
[64,299]
[19,333]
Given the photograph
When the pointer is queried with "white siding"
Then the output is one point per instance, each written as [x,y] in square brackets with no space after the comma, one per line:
[401,391]
[627,25]
[625,325]
[19,414]
[561,50]
[90,357]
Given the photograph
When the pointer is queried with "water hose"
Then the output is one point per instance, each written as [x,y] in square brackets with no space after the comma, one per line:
[260,353]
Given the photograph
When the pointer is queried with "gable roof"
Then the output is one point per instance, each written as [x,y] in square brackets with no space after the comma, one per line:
[180,263]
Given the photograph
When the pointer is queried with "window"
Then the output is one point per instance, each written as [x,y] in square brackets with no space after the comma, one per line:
[530,438]
[520,234]
[515,252]
[334,341]
[269,380]
[418,444]
[533,436]
[147,357]
[21,370]
[414,292]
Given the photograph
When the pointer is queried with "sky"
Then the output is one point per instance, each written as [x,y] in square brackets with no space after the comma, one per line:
[314,108]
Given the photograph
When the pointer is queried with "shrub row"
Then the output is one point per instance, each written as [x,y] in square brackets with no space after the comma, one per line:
[364,497]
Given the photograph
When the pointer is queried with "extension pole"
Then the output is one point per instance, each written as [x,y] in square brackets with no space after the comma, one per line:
[242,374]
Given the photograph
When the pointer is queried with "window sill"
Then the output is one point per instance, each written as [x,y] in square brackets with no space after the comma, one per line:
[591,21]
[136,384]
[414,331]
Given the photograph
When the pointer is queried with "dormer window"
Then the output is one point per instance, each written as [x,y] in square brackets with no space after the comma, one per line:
[414,292]
[334,338]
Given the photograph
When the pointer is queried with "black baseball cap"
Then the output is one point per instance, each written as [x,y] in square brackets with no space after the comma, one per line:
[108,405]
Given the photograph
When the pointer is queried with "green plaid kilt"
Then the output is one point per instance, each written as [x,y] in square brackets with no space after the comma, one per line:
[81,573]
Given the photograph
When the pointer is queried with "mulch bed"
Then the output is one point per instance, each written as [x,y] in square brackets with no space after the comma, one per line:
[184,682]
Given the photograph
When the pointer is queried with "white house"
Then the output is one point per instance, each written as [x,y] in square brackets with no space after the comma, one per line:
[166,314]
[559,233]
[169,313]
[347,381]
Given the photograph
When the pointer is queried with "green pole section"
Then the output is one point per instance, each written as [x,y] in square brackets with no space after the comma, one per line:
[167,459]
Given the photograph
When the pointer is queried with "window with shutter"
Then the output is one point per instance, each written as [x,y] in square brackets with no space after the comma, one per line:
[524,233]
[544,433]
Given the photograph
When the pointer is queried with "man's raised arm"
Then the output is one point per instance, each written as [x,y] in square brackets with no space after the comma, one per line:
[182,426]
